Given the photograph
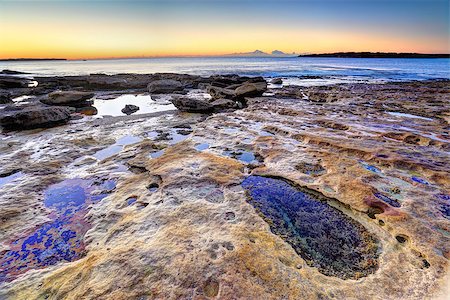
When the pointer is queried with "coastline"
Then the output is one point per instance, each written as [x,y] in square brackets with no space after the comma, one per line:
[373,151]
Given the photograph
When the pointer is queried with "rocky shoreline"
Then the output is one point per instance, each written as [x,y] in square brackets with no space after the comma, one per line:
[249,190]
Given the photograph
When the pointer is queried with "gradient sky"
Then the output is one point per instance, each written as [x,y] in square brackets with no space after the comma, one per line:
[119,28]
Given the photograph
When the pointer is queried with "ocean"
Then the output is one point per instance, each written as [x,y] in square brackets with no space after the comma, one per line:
[294,69]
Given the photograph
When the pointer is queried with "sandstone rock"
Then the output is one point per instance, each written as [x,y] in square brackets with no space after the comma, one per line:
[130,109]
[68,98]
[192,105]
[322,96]
[277,81]
[219,92]
[250,90]
[33,117]
[165,86]
[224,104]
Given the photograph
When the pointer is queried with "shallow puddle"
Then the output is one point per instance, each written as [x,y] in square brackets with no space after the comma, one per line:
[247,157]
[10,178]
[399,114]
[114,107]
[116,147]
[60,240]
[370,167]
[201,147]
[322,235]
[156,154]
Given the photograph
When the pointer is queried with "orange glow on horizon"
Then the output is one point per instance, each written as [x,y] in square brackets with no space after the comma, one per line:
[70,40]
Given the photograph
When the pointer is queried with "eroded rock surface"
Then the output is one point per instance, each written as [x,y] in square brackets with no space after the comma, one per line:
[29,117]
[67,98]
[179,224]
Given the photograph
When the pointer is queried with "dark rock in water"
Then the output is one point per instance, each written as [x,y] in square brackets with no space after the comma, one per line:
[322,235]
[277,81]
[5,97]
[165,86]
[68,98]
[11,72]
[33,117]
[130,109]
[192,105]
[12,82]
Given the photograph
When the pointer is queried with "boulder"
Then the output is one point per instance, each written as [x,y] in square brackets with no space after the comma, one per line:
[219,92]
[250,90]
[253,87]
[276,81]
[165,86]
[224,104]
[27,117]
[68,98]
[192,105]
[130,109]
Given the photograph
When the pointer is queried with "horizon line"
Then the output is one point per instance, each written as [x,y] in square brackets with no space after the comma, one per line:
[240,54]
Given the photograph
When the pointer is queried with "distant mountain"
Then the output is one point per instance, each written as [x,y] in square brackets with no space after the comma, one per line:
[259,53]
[376,55]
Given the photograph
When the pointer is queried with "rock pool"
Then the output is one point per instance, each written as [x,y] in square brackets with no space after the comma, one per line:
[322,235]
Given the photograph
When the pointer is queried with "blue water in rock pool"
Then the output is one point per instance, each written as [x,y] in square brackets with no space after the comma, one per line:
[323,235]
[201,147]
[61,238]
[246,157]
[10,178]
[333,70]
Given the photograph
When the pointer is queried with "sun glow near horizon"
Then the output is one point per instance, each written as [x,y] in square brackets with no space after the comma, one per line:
[116,29]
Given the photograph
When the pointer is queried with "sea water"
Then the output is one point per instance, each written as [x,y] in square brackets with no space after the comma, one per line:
[307,70]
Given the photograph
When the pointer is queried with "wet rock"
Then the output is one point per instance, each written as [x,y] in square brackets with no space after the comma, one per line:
[219,92]
[165,86]
[11,72]
[276,81]
[33,117]
[11,82]
[250,90]
[130,109]
[68,98]
[192,105]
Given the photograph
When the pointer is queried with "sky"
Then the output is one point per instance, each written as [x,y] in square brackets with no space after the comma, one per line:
[119,28]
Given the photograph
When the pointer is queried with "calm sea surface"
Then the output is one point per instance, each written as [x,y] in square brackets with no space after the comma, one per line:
[331,70]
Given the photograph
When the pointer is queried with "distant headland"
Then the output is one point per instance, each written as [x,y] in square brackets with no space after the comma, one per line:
[376,55]
[31,59]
